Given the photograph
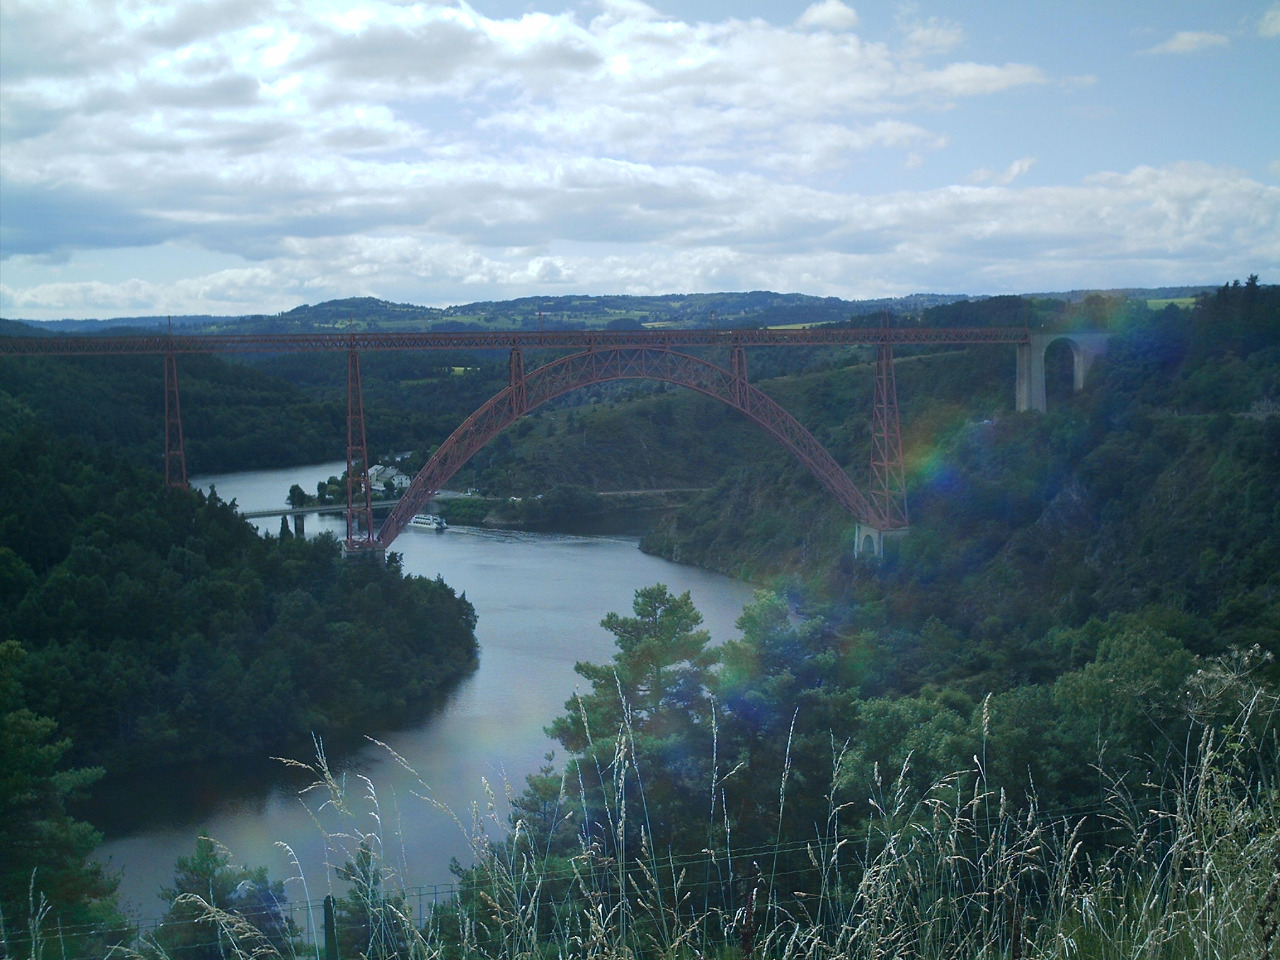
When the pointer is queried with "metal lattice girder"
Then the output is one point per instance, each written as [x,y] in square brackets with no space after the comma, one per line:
[603,364]
[515,377]
[888,482]
[359,499]
[175,455]
[586,340]
[605,355]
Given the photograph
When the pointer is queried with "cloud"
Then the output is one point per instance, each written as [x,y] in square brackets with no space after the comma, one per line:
[1006,176]
[1166,224]
[935,36]
[197,114]
[1189,41]
[927,36]
[430,153]
[830,146]
[1269,25]
[828,15]
[968,79]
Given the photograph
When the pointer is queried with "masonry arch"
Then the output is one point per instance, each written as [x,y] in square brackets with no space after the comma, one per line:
[1085,349]
[1062,364]
[528,391]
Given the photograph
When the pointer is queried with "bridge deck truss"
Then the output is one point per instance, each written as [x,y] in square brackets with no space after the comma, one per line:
[504,340]
[602,355]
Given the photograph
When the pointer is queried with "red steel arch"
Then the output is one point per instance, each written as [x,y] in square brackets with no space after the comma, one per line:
[530,390]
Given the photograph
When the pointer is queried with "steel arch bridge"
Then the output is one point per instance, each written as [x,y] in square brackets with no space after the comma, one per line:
[526,392]
[601,355]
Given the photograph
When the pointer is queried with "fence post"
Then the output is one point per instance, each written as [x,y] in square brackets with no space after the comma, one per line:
[330,931]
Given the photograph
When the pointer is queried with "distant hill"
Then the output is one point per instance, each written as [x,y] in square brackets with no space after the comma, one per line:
[1129,293]
[754,308]
[15,327]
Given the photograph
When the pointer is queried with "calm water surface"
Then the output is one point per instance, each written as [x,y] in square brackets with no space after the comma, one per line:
[539,597]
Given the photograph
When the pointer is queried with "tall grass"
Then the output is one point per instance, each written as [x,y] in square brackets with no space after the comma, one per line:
[952,873]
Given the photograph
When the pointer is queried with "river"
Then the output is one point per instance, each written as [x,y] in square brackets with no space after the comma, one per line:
[539,599]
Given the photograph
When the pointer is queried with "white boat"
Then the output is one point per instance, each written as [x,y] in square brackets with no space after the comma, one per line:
[430,520]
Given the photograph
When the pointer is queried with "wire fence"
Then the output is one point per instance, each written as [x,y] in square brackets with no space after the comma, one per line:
[302,917]
[702,889]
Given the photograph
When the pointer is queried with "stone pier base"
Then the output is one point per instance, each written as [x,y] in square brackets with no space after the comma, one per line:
[870,541]
[363,551]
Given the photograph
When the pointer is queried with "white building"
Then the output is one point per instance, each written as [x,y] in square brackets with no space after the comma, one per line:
[379,474]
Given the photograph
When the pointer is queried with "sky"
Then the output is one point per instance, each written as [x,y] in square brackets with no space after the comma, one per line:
[234,157]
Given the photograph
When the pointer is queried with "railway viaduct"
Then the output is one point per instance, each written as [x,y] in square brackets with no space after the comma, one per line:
[589,357]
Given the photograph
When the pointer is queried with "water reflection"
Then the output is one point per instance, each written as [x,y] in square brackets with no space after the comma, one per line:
[540,599]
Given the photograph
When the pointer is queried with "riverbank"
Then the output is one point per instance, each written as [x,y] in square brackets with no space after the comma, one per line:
[573,511]
[539,599]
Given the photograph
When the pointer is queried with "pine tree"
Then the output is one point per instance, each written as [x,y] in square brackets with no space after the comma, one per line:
[46,868]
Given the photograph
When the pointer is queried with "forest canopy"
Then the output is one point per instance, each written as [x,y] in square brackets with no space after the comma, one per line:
[142,625]
[1082,625]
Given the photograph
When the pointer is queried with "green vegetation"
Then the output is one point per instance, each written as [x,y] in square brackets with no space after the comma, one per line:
[207,880]
[271,412]
[754,308]
[757,308]
[46,876]
[952,869]
[141,626]
[160,627]
[1045,726]
[234,418]
[1067,622]
[994,824]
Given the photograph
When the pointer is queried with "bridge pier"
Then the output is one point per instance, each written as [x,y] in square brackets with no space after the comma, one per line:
[366,551]
[175,457]
[359,499]
[869,541]
[605,355]
[299,525]
[1085,349]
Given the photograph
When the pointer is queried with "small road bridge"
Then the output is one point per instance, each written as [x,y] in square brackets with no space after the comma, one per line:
[596,356]
[311,508]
